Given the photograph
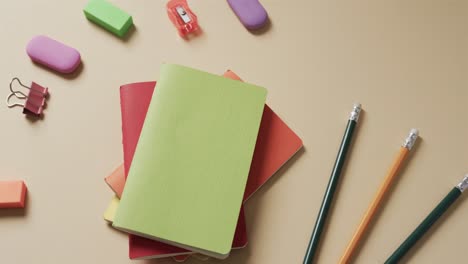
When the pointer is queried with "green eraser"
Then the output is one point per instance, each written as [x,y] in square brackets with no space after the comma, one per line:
[108,16]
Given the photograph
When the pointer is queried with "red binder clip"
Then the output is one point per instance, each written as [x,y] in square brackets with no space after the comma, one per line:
[182,17]
[34,101]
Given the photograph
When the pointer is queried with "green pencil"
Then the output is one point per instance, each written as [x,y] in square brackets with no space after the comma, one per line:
[333,182]
[425,225]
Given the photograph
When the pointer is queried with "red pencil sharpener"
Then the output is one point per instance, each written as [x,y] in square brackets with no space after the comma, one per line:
[182,17]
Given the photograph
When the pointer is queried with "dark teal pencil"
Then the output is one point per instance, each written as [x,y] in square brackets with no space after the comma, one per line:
[426,224]
[333,182]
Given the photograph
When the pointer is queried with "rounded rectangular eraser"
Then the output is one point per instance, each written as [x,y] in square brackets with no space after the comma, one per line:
[250,12]
[53,54]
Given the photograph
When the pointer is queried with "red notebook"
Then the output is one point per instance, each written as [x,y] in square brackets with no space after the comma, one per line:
[276,144]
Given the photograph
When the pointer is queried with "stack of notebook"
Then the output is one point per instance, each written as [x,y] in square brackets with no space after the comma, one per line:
[195,150]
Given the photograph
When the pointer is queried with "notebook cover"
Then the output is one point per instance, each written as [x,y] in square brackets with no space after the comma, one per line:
[116,180]
[111,209]
[135,99]
[276,144]
[193,158]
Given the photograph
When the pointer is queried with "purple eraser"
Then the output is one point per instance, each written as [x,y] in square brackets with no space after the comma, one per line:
[250,12]
[53,54]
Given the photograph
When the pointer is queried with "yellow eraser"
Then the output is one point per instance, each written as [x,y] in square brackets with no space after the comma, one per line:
[12,194]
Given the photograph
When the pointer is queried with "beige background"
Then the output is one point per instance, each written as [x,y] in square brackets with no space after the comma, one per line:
[405,61]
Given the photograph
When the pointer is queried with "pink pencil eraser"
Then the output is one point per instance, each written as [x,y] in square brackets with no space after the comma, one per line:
[53,54]
[12,194]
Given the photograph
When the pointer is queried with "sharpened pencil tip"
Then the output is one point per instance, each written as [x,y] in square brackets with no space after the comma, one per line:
[356,112]
[411,139]
[463,185]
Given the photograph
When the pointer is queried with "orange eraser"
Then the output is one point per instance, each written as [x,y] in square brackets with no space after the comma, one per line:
[12,194]
[116,180]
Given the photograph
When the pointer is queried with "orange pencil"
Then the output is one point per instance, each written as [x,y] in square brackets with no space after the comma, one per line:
[374,206]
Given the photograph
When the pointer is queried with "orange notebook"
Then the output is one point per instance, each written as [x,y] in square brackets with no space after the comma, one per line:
[276,144]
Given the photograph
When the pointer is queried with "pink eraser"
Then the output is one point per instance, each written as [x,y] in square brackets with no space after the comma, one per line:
[12,194]
[53,54]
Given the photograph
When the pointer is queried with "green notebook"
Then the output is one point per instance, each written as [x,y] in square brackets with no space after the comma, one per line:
[190,168]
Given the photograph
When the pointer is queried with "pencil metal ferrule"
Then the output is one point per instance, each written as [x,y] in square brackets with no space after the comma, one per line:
[463,185]
[411,139]
[354,116]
